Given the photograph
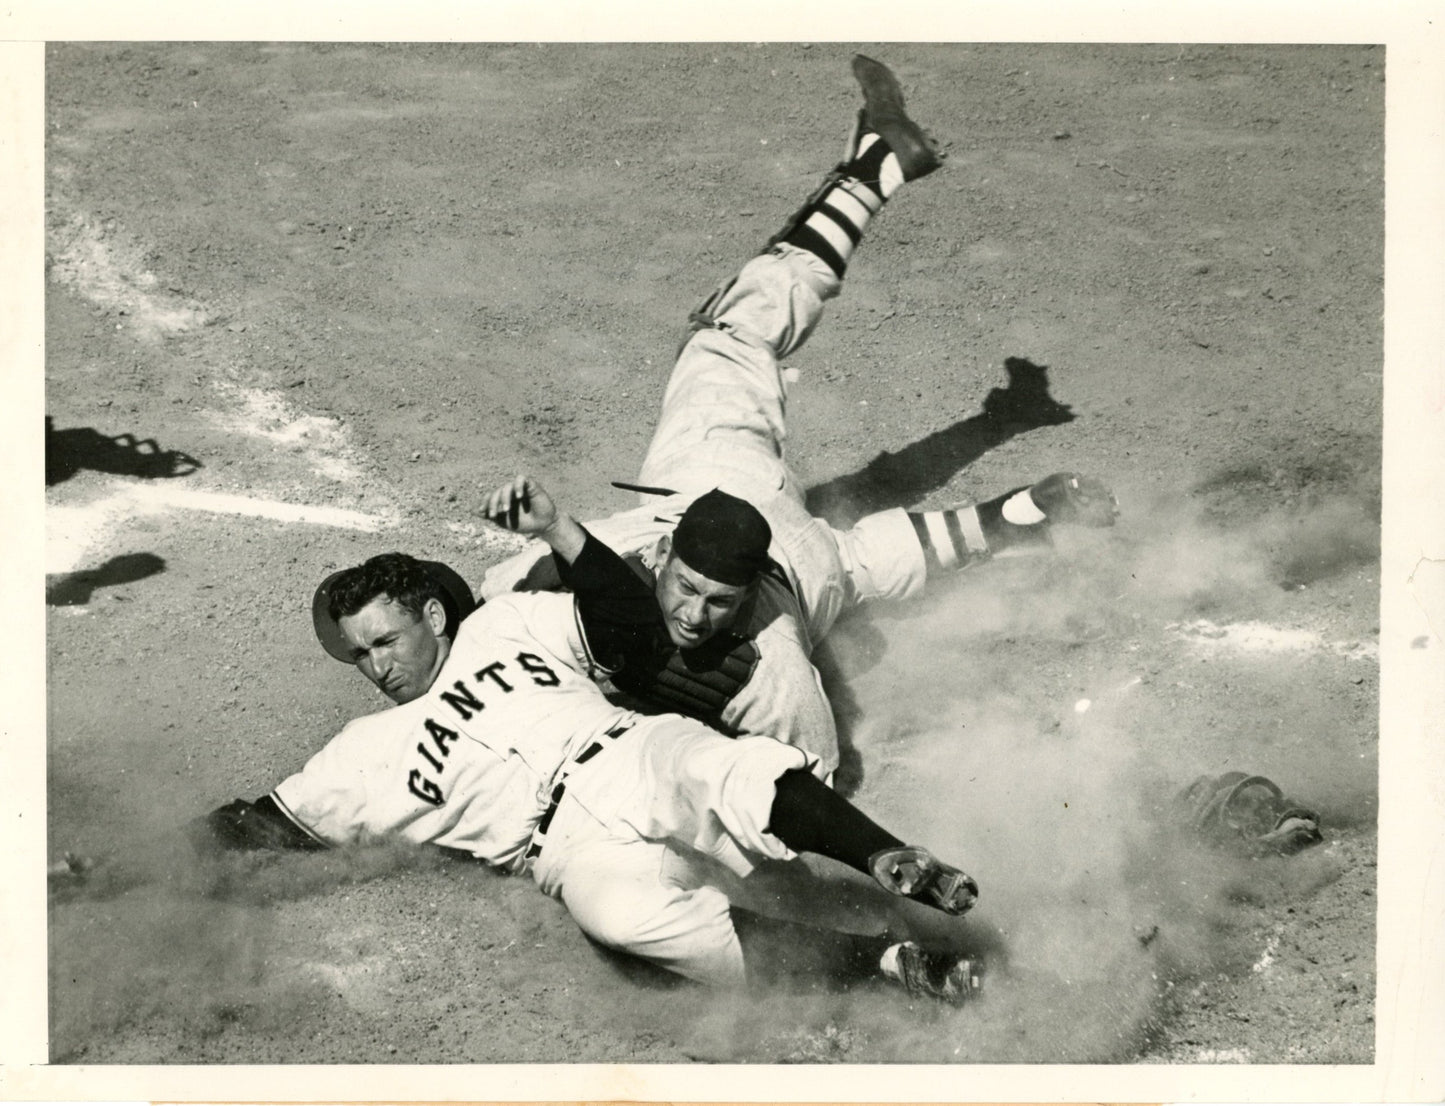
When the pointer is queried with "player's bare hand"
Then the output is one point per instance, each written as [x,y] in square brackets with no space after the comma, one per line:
[1069,497]
[521,505]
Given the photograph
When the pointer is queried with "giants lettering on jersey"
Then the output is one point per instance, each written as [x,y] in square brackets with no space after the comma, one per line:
[466,703]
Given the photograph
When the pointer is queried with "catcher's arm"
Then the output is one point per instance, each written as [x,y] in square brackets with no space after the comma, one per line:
[523,506]
[619,613]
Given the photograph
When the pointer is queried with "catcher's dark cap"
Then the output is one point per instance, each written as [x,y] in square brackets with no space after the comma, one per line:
[724,538]
[456,597]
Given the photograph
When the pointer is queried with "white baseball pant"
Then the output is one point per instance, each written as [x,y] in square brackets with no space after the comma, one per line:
[628,848]
[723,424]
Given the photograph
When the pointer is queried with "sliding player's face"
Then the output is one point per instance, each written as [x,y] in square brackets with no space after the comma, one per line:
[400,652]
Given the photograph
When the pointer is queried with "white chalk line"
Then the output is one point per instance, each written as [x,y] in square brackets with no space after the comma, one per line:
[1246,638]
[74,532]
[77,533]
[165,497]
[1261,637]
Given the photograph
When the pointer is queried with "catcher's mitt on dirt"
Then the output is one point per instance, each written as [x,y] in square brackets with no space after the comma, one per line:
[1249,814]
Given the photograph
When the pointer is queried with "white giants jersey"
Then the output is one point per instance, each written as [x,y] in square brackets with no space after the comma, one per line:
[470,764]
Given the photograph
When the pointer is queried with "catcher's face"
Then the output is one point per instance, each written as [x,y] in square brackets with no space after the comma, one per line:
[396,650]
[695,607]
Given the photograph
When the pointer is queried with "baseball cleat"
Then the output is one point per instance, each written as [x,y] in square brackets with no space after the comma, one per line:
[914,873]
[883,113]
[950,979]
[1069,497]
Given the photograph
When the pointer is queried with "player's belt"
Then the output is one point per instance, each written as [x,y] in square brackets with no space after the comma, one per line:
[539,835]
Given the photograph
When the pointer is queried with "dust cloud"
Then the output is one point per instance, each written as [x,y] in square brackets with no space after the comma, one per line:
[1036,721]
[150,934]
[1031,722]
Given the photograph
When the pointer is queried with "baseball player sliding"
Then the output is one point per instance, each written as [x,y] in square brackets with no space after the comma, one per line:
[501,746]
[747,581]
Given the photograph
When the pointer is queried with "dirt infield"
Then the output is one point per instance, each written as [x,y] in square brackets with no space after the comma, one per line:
[305,301]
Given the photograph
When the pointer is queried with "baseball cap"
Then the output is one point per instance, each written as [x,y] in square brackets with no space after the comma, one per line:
[456,597]
[724,538]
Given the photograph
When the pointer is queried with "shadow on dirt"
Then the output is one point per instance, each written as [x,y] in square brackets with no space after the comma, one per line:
[903,478]
[83,447]
[74,589]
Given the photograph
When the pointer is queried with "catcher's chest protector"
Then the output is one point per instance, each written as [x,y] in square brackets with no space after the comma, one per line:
[700,682]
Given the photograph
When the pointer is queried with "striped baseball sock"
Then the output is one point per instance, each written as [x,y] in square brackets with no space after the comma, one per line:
[950,539]
[960,536]
[831,224]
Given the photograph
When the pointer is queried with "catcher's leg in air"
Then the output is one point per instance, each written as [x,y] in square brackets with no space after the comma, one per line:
[723,412]
[891,554]
[885,149]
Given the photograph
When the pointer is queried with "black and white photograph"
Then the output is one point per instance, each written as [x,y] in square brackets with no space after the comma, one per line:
[853,554]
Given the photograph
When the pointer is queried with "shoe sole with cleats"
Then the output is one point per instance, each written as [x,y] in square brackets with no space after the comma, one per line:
[915,873]
[884,113]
